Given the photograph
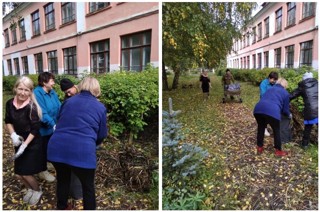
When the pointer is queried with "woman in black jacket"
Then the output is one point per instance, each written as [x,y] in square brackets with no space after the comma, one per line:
[308,89]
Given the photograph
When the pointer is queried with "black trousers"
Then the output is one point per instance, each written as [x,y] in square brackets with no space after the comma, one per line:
[306,134]
[45,141]
[262,121]
[86,177]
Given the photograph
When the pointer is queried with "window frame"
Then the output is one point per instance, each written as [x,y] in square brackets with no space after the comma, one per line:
[35,21]
[7,38]
[9,64]
[49,14]
[25,65]
[278,19]
[289,56]
[277,57]
[306,51]
[94,6]
[52,59]
[291,12]
[266,27]
[310,9]
[38,61]
[142,47]
[70,53]
[94,55]
[64,8]
[266,59]
[14,36]
[16,66]
[22,30]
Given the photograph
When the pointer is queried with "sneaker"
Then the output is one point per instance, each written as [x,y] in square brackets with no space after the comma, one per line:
[45,175]
[259,150]
[35,197]
[280,153]
[50,166]
[28,195]
[266,132]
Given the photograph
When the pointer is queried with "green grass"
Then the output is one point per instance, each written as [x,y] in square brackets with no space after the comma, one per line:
[203,125]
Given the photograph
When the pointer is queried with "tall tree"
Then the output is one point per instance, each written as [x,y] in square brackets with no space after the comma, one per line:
[201,33]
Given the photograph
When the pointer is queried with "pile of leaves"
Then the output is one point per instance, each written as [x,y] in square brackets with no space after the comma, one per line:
[124,177]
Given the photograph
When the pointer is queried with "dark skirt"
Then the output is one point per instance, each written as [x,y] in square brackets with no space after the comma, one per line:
[30,162]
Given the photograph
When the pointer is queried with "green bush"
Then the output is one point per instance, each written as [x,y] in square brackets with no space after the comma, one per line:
[293,76]
[129,97]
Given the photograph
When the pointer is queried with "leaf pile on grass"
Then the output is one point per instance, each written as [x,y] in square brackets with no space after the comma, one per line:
[262,182]
[121,184]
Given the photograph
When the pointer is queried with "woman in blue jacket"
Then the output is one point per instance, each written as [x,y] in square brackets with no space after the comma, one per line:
[268,111]
[50,106]
[82,125]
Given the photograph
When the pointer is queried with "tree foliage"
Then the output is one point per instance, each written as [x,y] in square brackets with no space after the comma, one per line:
[200,34]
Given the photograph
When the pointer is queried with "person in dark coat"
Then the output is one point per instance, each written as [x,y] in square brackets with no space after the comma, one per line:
[205,84]
[81,126]
[70,89]
[268,111]
[23,121]
[308,90]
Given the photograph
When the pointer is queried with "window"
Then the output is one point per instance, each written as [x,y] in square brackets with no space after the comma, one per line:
[99,56]
[306,53]
[266,59]
[70,61]
[247,39]
[259,61]
[35,23]
[135,51]
[22,30]
[291,13]
[52,62]
[67,12]
[279,20]
[94,6]
[14,35]
[266,27]
[289,56]
[25,65]
[248,62]
[254,61]
[6,37]
[16,66]
[254,35]
[49,16]
[308,9]
[244,62]
[9,67]
[38,63]
[259,31]
[277,58]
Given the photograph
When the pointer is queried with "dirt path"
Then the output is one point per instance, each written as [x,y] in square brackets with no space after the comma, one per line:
[263,181]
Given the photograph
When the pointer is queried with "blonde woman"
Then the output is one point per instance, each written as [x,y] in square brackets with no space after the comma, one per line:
[81,126]
[268,111]
[22,120]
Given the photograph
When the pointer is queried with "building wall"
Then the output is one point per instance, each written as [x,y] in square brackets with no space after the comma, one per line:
[303,30]
[112,22]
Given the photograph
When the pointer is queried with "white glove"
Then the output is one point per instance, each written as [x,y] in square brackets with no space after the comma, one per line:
[16,139]
[54,128]
[290,116]
[20,150]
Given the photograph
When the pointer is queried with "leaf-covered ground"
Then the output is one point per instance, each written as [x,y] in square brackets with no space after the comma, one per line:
[235,177]
[112,191]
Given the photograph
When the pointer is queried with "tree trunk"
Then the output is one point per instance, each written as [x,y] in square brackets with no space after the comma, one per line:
[175,82]
[165,86]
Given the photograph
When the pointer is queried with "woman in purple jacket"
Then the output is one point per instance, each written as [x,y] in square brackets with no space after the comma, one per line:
[268,111]
[82,125]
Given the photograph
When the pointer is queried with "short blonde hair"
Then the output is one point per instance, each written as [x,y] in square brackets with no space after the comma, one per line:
[26,81]
[90,84]
[283,82]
